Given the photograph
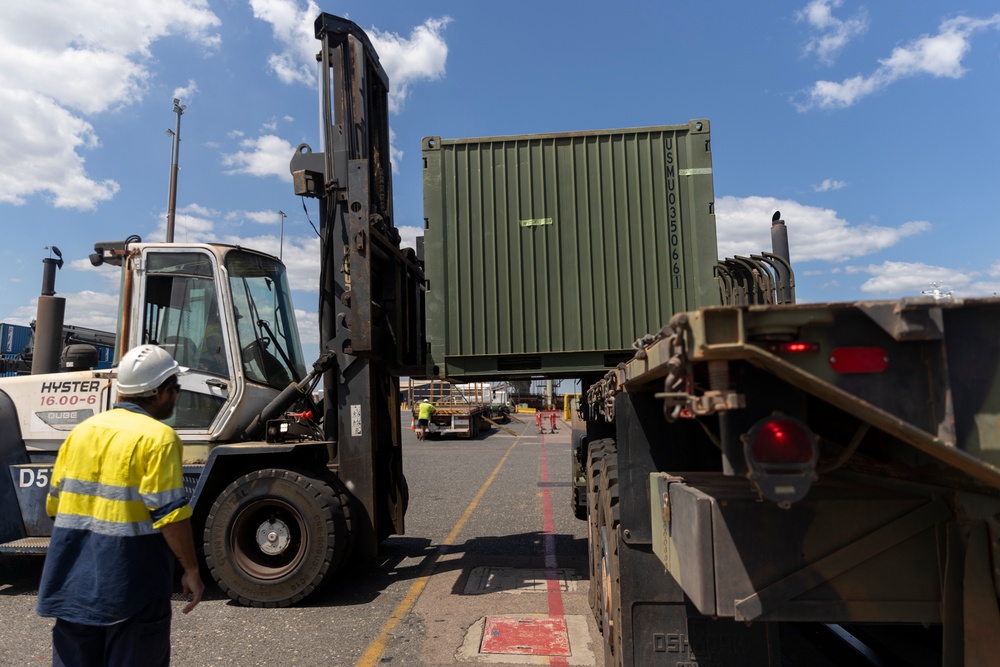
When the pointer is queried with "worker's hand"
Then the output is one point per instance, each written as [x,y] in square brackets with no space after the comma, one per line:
[193,586]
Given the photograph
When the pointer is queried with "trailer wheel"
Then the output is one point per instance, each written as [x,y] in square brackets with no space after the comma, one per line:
[609,572]
[274,536]
[579,503]
[595,456]
[578,468]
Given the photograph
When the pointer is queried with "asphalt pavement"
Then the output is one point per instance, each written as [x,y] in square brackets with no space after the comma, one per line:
[491,548]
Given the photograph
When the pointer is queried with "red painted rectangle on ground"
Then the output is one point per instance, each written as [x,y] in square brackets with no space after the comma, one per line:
[525,636]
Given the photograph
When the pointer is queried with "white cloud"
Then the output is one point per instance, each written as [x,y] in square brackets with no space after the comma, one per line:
[308,323]
[104,270]
[911,278]
[192,224]
[185,93]
[408,236]
[40,151]
[58,65]
[293,27]
[259,217]
[829,184]
[406,60]
[938,55]
[395,155]
[813,233]
[421,57]
[267,155]
[92,310]
[833,33]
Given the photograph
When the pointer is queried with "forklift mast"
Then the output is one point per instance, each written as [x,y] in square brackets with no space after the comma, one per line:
[371,292]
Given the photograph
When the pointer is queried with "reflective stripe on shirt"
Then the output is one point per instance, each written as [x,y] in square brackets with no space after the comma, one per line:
[110,528]
[108,503]
[144,483]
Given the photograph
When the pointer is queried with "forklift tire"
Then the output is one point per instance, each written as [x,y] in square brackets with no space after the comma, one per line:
[579,503]
[274,536]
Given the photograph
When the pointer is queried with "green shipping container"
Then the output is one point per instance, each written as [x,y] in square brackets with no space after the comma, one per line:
[550,254]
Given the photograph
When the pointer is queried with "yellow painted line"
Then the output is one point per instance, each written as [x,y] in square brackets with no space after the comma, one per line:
[371,656]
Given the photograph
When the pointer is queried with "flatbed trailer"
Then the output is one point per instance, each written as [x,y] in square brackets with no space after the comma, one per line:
[460,420]
[459,413]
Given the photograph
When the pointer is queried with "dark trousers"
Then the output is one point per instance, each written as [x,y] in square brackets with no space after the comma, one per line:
[141,641]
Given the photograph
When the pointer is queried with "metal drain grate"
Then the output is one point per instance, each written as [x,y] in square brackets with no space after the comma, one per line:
[484,580]
[525,636]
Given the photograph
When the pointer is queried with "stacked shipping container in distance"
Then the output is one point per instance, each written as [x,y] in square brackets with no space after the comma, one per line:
[14,338]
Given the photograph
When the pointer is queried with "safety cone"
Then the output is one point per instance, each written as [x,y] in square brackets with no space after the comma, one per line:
[412,428]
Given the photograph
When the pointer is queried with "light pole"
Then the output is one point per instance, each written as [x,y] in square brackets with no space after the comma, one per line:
[281,239]
[174,160]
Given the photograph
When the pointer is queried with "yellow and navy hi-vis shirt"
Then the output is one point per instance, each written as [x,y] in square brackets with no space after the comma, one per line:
[425,410]
[117,480]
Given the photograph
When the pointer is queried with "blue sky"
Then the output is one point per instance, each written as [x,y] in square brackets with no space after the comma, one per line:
[872,127]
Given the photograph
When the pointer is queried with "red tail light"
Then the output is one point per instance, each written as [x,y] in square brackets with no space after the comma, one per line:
[782,440]
[792,347]
[781,453]
[859,360]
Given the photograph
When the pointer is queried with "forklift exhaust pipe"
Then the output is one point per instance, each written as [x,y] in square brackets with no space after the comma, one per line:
[48,319]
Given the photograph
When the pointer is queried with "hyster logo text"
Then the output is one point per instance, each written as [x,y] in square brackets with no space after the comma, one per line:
[68,386]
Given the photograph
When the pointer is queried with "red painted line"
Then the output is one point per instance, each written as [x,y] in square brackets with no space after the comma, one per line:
[553,589]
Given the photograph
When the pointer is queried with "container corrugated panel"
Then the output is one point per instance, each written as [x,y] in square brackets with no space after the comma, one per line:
[14,338]
[551,254]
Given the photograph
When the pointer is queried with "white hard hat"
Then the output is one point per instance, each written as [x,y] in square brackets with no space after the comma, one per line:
[144,368]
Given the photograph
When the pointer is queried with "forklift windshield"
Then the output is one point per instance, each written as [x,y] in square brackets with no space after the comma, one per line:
[265,321]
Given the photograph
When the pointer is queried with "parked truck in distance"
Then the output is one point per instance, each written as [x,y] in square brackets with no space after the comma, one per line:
[461,410]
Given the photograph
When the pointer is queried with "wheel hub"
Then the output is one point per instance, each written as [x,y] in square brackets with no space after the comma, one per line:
[273,537]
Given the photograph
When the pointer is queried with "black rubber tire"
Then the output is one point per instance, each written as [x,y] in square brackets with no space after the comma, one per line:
[579,503]
[608,568]
[595,459]
[312,513]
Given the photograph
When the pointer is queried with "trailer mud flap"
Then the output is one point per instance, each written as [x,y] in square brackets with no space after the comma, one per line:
[671,635]
[667,631]
[846,553]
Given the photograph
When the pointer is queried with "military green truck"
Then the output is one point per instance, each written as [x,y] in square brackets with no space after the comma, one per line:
[759,477]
